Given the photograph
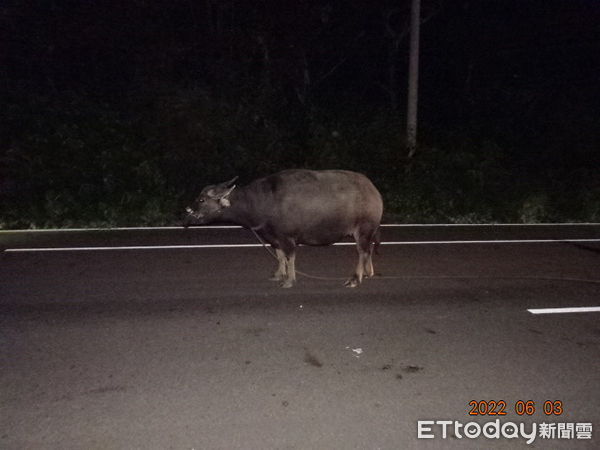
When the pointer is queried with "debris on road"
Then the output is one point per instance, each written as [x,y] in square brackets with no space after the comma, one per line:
[357,350]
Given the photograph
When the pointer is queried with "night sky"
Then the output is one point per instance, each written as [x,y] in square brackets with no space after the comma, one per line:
[109,47]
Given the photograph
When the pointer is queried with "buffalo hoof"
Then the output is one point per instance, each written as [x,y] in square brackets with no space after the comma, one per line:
[278,276]
[287,284]
[351,283]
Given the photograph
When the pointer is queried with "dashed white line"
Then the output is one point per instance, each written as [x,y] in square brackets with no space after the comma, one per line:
[578,309]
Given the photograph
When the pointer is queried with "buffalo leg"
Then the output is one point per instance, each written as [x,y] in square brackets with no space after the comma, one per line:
[363,244]
[288,248]
[369,271]
[290,278]
[281,272]
[364,267]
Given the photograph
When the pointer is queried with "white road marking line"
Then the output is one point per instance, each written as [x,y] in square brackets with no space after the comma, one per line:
[127,247]
[491,241]
[578,309]
[78,230]
[391,225]
[171,247]
[565,224]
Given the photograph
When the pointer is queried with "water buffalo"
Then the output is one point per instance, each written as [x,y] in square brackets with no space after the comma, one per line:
[293,207]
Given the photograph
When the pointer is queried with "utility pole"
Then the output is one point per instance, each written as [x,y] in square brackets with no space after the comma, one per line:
[413,79]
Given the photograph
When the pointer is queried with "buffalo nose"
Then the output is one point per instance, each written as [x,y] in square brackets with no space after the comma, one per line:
[189,210]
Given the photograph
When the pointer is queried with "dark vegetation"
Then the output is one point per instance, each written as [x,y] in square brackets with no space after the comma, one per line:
[118,113]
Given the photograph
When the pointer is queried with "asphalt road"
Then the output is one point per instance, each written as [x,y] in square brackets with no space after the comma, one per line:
[191,347]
